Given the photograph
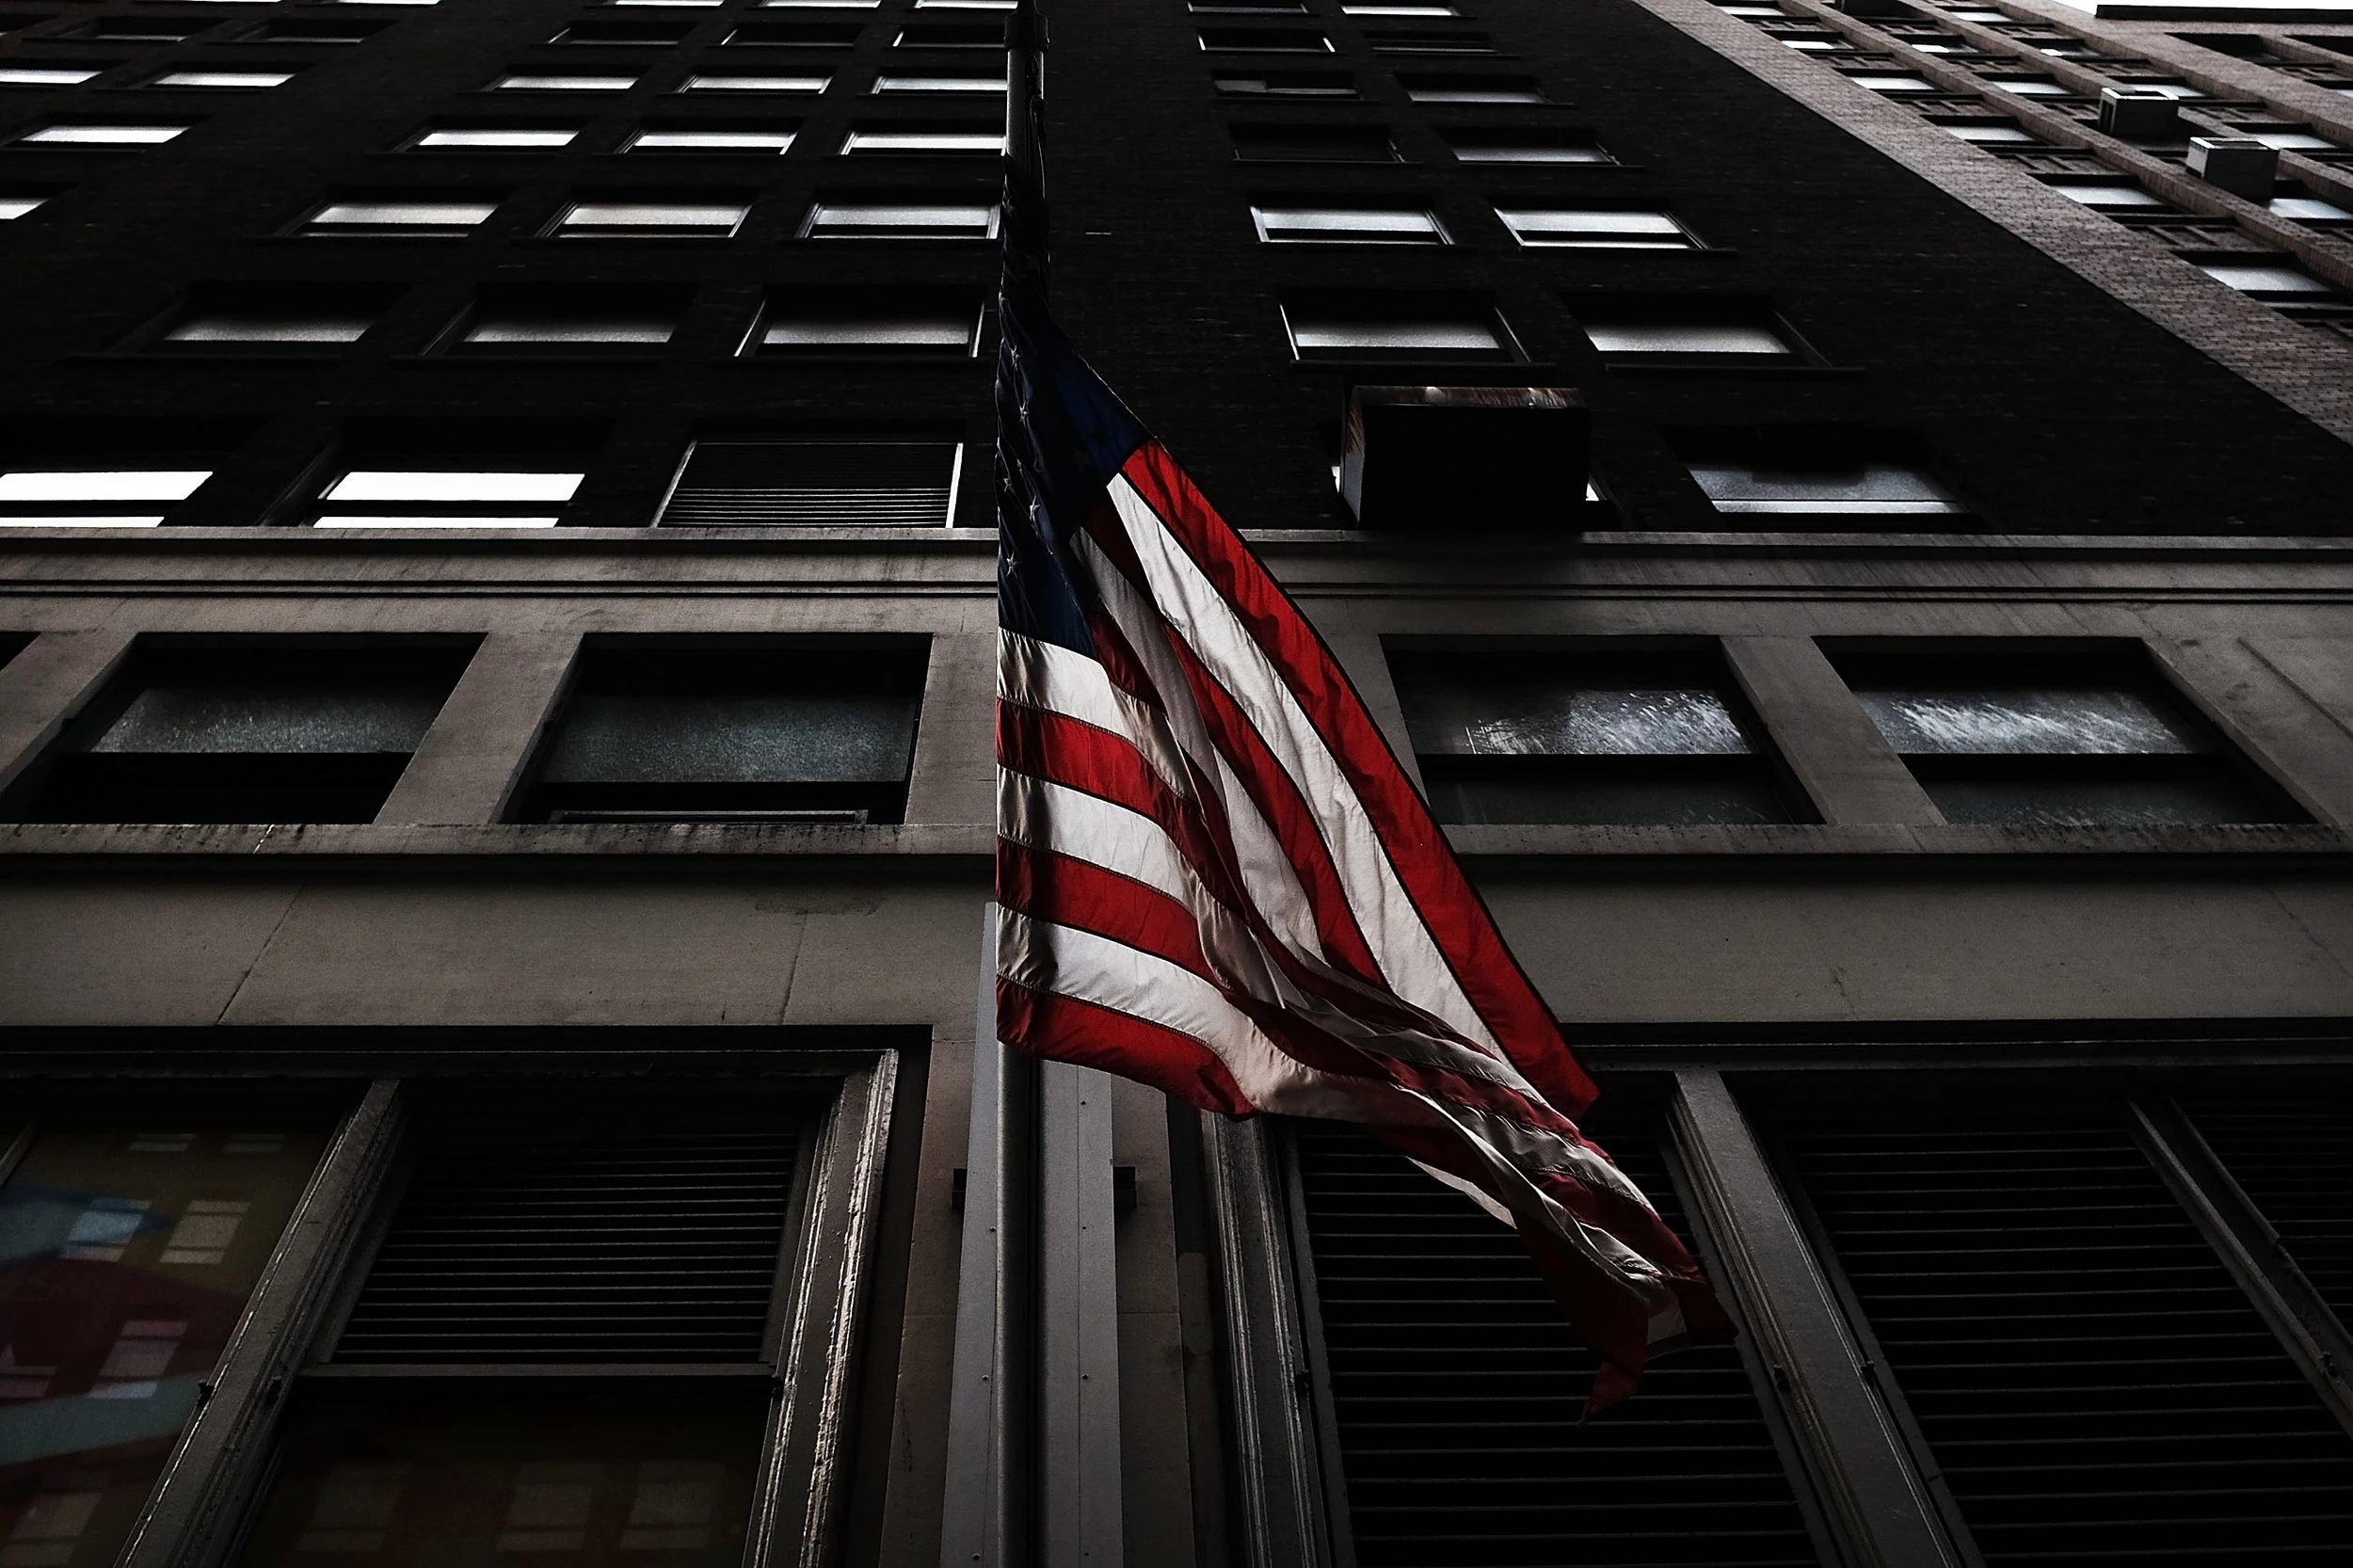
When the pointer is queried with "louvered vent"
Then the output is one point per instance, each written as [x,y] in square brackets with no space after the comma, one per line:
[1457,1387]
[548,1237]
[2294,1156]
[2092,1383]
[815,483]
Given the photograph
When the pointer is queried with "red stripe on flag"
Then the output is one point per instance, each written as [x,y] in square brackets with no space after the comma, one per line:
[1068,1030]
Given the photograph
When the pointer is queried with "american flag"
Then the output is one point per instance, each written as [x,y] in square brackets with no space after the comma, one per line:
[1213,876]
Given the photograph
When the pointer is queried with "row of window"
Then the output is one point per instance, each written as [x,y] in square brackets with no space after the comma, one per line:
[717,729]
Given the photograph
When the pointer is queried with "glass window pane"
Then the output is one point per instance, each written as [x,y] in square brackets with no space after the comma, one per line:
[446,484]
[1554,718]
[126,1256]
[260,719]
[106,136]
[1625,337]
[1870,487]
[577,329]
[2108,196]
[248,79]
[712,217]
[102,484]
[428,215]
[735,738]
[497,136]
[714,141]
[222,326]
[2094,802]
[896,83]
[560,1480]
[2069,721]
[923,141]
[1357,224]
[754,83]
[1554,226]
[566,82]
[1416,337]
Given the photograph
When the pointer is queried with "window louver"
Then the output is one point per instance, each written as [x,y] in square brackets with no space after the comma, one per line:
[2094,1385]
[1457,1385]
[652,1240]
[815,483]
[2294,1160]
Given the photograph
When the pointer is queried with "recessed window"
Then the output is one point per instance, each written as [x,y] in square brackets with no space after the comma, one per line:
[819,4]
[2030,87]
[141,29]
[418,496]
[569,319]
[964,5]
[650,218]
[1286,83]
[103,133]
[817,482]
[1987,133]
[1396,326]
[1398,40]
[1286,224]
[642,32]
[300,731]
[511,138]
[274,318]
[47,75]
[740,732]
[794,35]
[672,4]
[764,140]
[2310,209]
[869,321]
[2288,139]
[1314,144]
[1823,489]
[1685,337]
[1266,40]
[17,204]
[94,497]
[2267,279]
[312,30]
[901,219]
[1535,736]
[1240,7]
[893,81]
[2055,740]
[224,81]
[754,83]
[1524,147]
[1890,82]
[950,35]
[564,81]
[359,217]
[926,138]
[2168,87]
[1401,7]
[2107,195]
[1595,229]
[1472,89]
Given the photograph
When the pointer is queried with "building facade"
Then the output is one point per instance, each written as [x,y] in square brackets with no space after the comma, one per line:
[495,756]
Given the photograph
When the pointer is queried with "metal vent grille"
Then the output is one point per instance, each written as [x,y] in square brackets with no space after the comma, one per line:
[652,1240]
[2294,1158]
[2092,1383]
[814,484]
[1456,1387]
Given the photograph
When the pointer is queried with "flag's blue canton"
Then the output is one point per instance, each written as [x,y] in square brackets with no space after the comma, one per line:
[1062,434]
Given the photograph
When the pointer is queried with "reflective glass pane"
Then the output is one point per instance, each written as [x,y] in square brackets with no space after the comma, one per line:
[2061,721]
[231,719]
[733,737]
[126,1256]
[1868,488]
[1555,718]
[555,1480]
[2094,802]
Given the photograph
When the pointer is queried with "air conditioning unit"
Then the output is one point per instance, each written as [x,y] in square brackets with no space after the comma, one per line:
[1465,459]
[2246,167]
[2138,114]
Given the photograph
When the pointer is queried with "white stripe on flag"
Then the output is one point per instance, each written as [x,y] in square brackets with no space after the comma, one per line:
[1057,679]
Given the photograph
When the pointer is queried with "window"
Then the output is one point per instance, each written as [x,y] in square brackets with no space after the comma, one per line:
[1283,225]
[521,139]
[1242,8]
[964,5]
[94,497]
[893,81]
[869,321]
[1825,489]
[221,81]
[733,730]
[1266,40]
[795,35]
[1999,133]
[818,482]
[820,5]
[1472,89]
[2030,87]
[139,29]
[416,496]
[402,217]
[287,730]
[762,139]
[647,32]
[754,83]
[134,1244]
[926,138]
[47,75]
[2311,210]
[1671,325]
[1524,147]
[1286,83]
[320,30]
[569,319]
[274,318]
[2290,138]
[79,133]
[1319,144]
[1396,326]
[1537,736]
[902,218]
[1400,40]
[632,218]
[569,81]
[1399,8]
[2055,739]
[2276,280]
[2107,195]
[952,35]
[1596,230]
[1890,82]
[20,203]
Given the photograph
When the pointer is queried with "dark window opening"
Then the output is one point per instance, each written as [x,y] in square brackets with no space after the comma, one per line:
[2056,738]
[569,320]
[849,481]
[1266,40]
[796,34]
[1822,476]
[950,35]
[772,732]
[1404,40]
[284,732]
[638,31]
[1544,736]
[1286,83]
[1314,144]
[1375,326]
[1510,145]
[912,322]
[1714,330]
[1454,1385]
[313,30]
[273,318]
